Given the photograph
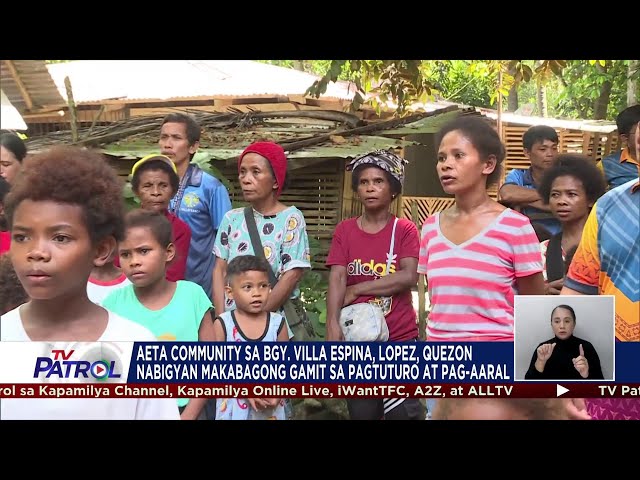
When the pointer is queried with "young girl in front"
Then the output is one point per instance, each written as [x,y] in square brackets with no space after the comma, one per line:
[247,283]
[64,212]
[173,311]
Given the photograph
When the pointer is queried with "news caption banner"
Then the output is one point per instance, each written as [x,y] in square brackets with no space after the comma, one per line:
[287,370]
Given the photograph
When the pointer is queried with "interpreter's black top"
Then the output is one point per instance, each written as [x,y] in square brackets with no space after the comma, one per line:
[560,364]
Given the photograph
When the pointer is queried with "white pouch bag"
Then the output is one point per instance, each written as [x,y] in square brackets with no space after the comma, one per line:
[365,322]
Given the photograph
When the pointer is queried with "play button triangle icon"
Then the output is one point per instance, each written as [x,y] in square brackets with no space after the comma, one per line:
[560,390]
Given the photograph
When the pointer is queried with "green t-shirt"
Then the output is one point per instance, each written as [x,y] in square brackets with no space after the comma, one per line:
[178,321]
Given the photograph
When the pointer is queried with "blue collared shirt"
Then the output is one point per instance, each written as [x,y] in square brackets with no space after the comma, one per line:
[204,203]
[524,178]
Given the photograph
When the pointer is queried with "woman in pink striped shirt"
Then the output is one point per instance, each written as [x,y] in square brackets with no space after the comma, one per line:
[477,254]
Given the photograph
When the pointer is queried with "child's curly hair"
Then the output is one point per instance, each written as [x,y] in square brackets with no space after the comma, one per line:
[12,293]
[75,176]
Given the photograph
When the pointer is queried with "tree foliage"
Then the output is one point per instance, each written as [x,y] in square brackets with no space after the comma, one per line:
[582,83]
[574,88]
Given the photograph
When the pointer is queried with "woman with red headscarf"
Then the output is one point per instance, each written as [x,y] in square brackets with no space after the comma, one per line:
[262,169]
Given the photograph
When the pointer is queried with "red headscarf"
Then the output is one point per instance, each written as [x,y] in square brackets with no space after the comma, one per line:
[274,154]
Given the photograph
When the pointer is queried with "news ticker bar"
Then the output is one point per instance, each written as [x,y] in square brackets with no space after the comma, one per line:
[173,390]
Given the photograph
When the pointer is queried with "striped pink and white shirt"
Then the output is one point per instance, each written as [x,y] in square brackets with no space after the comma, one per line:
[472,285]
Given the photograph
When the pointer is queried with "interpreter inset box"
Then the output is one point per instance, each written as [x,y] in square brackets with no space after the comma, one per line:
[564,338]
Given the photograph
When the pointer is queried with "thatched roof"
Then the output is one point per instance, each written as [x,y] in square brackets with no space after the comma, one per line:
[304,134]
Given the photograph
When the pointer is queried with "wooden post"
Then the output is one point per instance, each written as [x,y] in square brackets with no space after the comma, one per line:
[500,104]
[95,120]
[422,300]
[347,197]
[72,110]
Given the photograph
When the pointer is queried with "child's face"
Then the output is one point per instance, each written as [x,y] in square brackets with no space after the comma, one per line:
[249,290]
[155,190]
[460,167]
[51,249]
[142,258]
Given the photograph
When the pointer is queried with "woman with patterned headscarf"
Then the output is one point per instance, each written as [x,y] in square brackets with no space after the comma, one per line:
[359,259]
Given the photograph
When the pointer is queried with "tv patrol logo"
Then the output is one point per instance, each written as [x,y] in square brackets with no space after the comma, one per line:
[84,362]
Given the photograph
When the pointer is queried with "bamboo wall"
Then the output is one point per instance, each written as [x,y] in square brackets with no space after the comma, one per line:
[593,144]
[424,207]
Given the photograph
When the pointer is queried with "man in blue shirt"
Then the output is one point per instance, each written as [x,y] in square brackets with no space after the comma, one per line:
[202,200]
[622,166]
[519,190]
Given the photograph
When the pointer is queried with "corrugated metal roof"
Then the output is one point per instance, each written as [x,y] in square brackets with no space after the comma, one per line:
[96,80]
[37,82]
[601,126]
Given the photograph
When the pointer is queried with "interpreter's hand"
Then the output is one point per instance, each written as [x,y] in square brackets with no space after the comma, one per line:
[581,365]
[350,296]
[553,288]
[576,409]
[545,351]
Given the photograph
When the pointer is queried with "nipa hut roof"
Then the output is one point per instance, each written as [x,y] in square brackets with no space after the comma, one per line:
[303,134]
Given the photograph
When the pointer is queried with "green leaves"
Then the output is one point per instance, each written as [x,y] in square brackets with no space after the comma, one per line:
[400,83]
[313,292]
[521,71]
[378,82]
[130,200]
[205,161]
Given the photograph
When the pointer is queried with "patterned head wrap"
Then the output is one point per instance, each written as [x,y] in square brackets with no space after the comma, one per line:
[383,159]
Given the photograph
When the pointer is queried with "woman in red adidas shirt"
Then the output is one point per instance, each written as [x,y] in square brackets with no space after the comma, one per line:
[358,260]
